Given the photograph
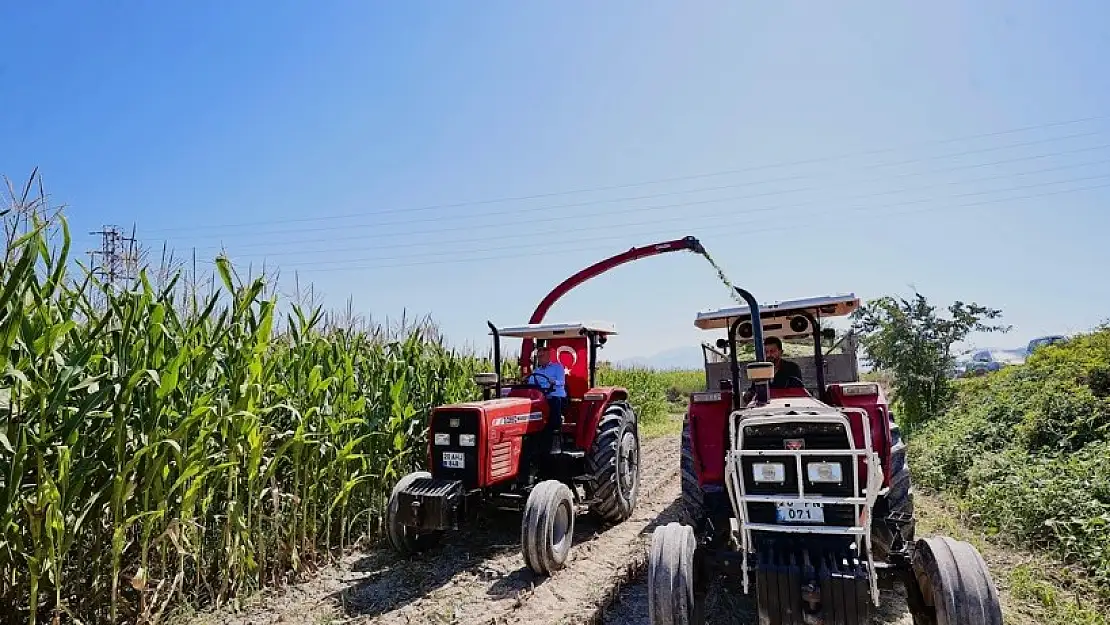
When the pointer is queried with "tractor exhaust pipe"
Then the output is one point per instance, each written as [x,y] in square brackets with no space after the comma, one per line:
[496,356]
[761,392]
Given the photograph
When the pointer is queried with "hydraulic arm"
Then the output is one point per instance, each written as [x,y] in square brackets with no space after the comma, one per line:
[685,244]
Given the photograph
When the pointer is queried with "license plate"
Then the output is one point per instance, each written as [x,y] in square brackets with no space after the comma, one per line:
[454,460]
[800,512]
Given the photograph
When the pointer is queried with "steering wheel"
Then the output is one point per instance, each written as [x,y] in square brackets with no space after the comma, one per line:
[550,383]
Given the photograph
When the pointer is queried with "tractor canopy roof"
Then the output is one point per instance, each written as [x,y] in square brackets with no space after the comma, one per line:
[558,330]
[826,306]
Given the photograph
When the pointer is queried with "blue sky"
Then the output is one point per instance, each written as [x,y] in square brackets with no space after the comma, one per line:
[873,147]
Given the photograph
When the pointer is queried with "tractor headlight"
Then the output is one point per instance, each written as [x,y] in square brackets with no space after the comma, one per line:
[769,472]
[467,440]
[825,472]
[443,438]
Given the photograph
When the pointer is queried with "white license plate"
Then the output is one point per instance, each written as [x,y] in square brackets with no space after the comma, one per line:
[454,460]
[800,512]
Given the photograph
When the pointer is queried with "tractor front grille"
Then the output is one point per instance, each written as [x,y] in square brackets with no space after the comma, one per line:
[813,436]
[453,423]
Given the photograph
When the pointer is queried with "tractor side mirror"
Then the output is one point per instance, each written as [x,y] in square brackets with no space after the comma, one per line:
[486,380]
[761,371]
[828,334]
[722,344]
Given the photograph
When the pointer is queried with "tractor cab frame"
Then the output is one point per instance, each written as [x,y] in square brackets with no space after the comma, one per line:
[791,321]
[795,322]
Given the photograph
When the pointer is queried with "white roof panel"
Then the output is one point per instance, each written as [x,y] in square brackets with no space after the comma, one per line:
[557,330]
[825,306]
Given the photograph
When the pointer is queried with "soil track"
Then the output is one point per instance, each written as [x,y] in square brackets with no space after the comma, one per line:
[478,575]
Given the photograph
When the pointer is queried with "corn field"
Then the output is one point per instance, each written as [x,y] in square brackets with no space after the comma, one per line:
[161,448]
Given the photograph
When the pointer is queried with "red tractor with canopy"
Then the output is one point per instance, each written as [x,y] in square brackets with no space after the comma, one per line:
[497,451]
[799,490]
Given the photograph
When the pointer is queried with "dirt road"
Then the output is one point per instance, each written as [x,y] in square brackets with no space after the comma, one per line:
[478,575]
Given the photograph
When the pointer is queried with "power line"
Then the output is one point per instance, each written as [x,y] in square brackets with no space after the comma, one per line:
[792,226]
[562,251]
[363,237]
[680,178]
[634,210]
[729,212]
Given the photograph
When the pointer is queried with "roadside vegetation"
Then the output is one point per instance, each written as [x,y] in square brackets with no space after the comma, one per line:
[657,395]
[1022,454]
[1026,451]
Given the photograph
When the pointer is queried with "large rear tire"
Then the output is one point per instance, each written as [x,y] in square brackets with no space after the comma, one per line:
[672,599]
[897,502]
[406,540]
[547,528]
[614,463]
[692,508]
[955,584]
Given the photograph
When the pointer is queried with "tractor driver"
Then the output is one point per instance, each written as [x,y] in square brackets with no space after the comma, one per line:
[552,379]
[787,373]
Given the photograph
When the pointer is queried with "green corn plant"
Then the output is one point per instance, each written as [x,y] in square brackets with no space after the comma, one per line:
[168,446]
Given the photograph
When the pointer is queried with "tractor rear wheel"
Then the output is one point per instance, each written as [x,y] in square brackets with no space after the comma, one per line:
[897,502]
[614,463]
[407,540]
[547,528]
[955,584]
[692,507]
[672,598]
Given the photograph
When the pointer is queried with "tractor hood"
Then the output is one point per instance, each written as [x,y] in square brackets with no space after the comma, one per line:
[498,405]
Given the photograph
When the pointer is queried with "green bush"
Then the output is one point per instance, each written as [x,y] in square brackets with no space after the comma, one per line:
[1027,451]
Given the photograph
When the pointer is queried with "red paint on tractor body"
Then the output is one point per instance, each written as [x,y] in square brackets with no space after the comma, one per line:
[502,425]
[878,417]
[709,437]
[709,429]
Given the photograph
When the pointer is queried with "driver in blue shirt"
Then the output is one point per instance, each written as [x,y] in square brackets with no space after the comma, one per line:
[551,377]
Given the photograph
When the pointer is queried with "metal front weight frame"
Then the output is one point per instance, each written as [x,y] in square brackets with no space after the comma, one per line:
[863,506]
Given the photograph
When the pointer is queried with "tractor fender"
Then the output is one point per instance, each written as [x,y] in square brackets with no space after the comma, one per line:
[594,403]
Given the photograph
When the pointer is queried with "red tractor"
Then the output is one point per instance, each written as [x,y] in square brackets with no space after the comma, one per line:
[800,492]
[498,451]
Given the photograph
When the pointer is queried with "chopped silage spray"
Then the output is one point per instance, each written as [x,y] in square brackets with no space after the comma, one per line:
[721,275]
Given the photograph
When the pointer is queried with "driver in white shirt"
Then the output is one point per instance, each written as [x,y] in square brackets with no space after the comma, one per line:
[551,377]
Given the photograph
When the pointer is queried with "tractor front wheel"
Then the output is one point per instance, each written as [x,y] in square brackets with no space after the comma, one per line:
[614,463]
[407,540]
[692,509]
[672,597]
[547,529]
[955,585]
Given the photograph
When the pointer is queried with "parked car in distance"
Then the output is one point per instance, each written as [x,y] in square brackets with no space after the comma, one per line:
[988,360]
[1044,340]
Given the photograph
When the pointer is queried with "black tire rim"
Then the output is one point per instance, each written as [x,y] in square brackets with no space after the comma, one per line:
[628,464]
